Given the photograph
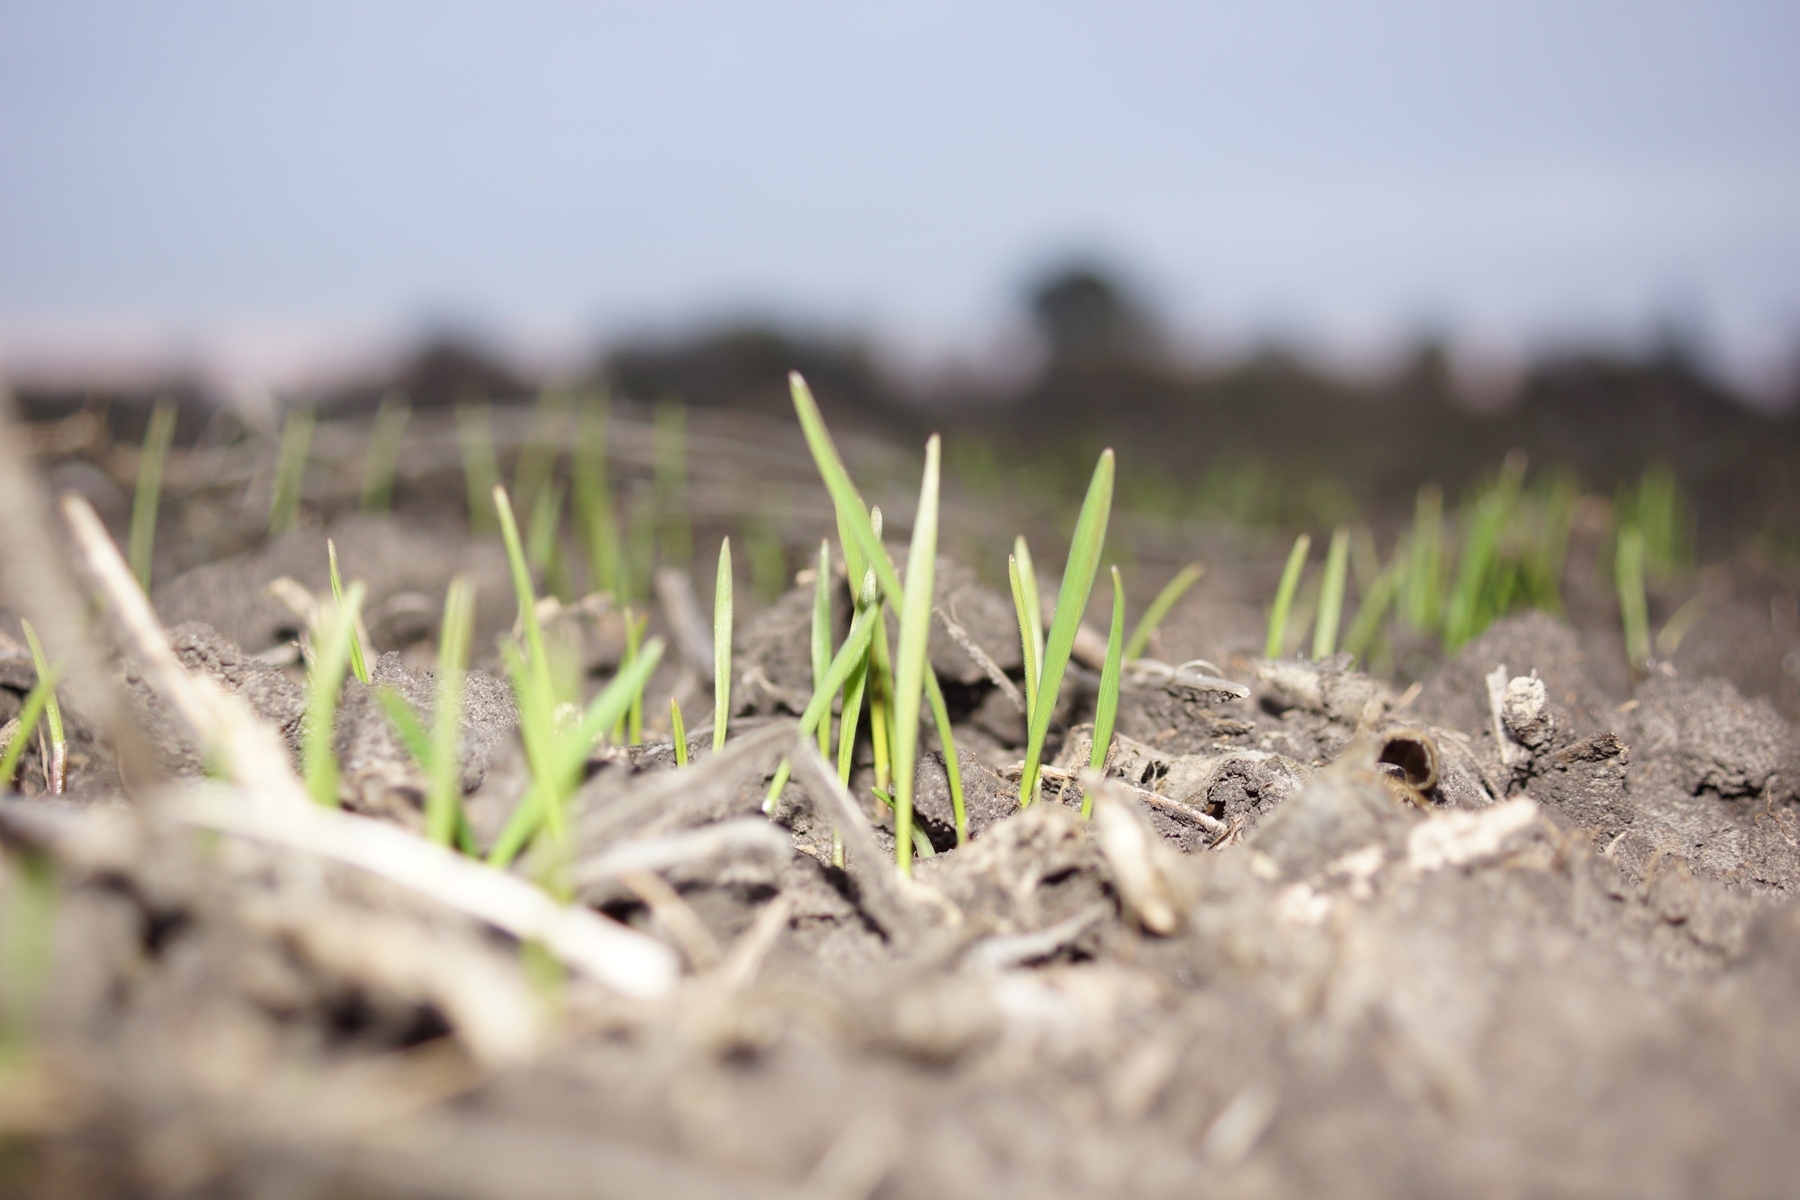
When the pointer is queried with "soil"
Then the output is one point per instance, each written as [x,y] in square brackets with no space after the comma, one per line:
[1518,924]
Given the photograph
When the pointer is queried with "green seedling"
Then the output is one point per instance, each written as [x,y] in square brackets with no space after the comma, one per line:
[821,637]
[598,518]
[543,446]
[56,768]
[1474,598]
[1422,590]
[1634,607]
[481,469]
[1159,608]
[359,666]
[910,664]
[768,561]
[852,516]
[290,470]
[675,534]
[635,625]
[1679,625]
[556,749]
[438,752]
[1029,597]
[678,732]
[1106,707]
[1071,603]
[1331,595]
[330,664]
[148,499]
[381,461]
[1028,644]
[1284,596]
[722,647]
[850,655]
[1660,512]
[30,713]
[1366,624]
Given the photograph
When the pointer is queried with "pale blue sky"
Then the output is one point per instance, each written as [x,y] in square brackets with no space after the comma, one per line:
[1518,172]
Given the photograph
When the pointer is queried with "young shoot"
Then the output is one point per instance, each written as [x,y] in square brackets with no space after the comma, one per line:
[481,469]
[598,518]
[144,505]
[381,461]
[1284,597]
[910,662]
[1331,595]
[1634,608]
[30,713]
[678,732]
[1159,608]
[331,661]
[439,751]
[1071,603]
[56,768]
[821,637]
[290,470]
[1422,589]
[1028,642]
[359,666]
[1106,708]
[1029,598]
[722,647]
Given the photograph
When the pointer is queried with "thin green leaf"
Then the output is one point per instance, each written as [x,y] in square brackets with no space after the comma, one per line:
[539,662]
[909,662]
[330,665]
[1331,594]
[821,637]
[1284,597]
[1033,599]
[940,713]
[406,723]
[481,470]
[52,710]
[358,666]
[443,794]
[1159,608]
[1027,641]
[678,732]
[850,655]
[148,499]
[1071,604]
[722,647]
[1106,708]
[1634,608]
[381,460]
[290,470]
[29,714]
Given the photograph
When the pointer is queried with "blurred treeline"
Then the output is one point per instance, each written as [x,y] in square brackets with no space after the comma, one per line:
[1267,438]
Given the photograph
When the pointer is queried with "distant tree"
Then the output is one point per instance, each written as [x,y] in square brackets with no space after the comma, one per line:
[1085,315]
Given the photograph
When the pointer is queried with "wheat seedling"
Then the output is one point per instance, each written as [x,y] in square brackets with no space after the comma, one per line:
[148,497]
[381,461]
[1166,599]
[1284,597]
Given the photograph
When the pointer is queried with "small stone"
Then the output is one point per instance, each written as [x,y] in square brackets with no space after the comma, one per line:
[1525,710]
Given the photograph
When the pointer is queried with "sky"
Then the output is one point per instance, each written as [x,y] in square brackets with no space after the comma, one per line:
[271,190]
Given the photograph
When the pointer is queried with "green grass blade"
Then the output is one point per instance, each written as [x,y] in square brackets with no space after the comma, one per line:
[330,664]
[722,647]
[1159,608]
[852,513]
[594,503]
[634,647]
[381,461]
[910,660]
[406,723]
[1106,707]
[536,466]
[1027,643]
[546,524]
[940,714]
[1423,589]
[359,667]
[29,714]
[821,637]
[148,499]
[290,470]
[1071,604]
[481,470]
[1331,594]
[850,655]
[678,732]
[59,744]
[443,794]
[1033,599]
[1374,606]
[522,586]
[1678,626]
[1634,608]
[1284,596]
[855,686]
[1471,601]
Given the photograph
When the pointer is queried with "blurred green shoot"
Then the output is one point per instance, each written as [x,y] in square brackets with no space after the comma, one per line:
[635,625]
[1030,598]
[1284,597]
[1331,595]
[1365,626]
[28,929]
[1071,603]
[1634,607]
[290,470]
[155,453]
[59,744]
[910,662]
[1028,645]
[359,667]
[30,713]
[598,518]
[543,446]
[1422,591]
[674,533]
[849,656]
[481,469]
[1159,608]
[1679,625]
[331,662]
[439,751]
[1106,707]
[722,647]
[821,637]
[381,461]
[678,732]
